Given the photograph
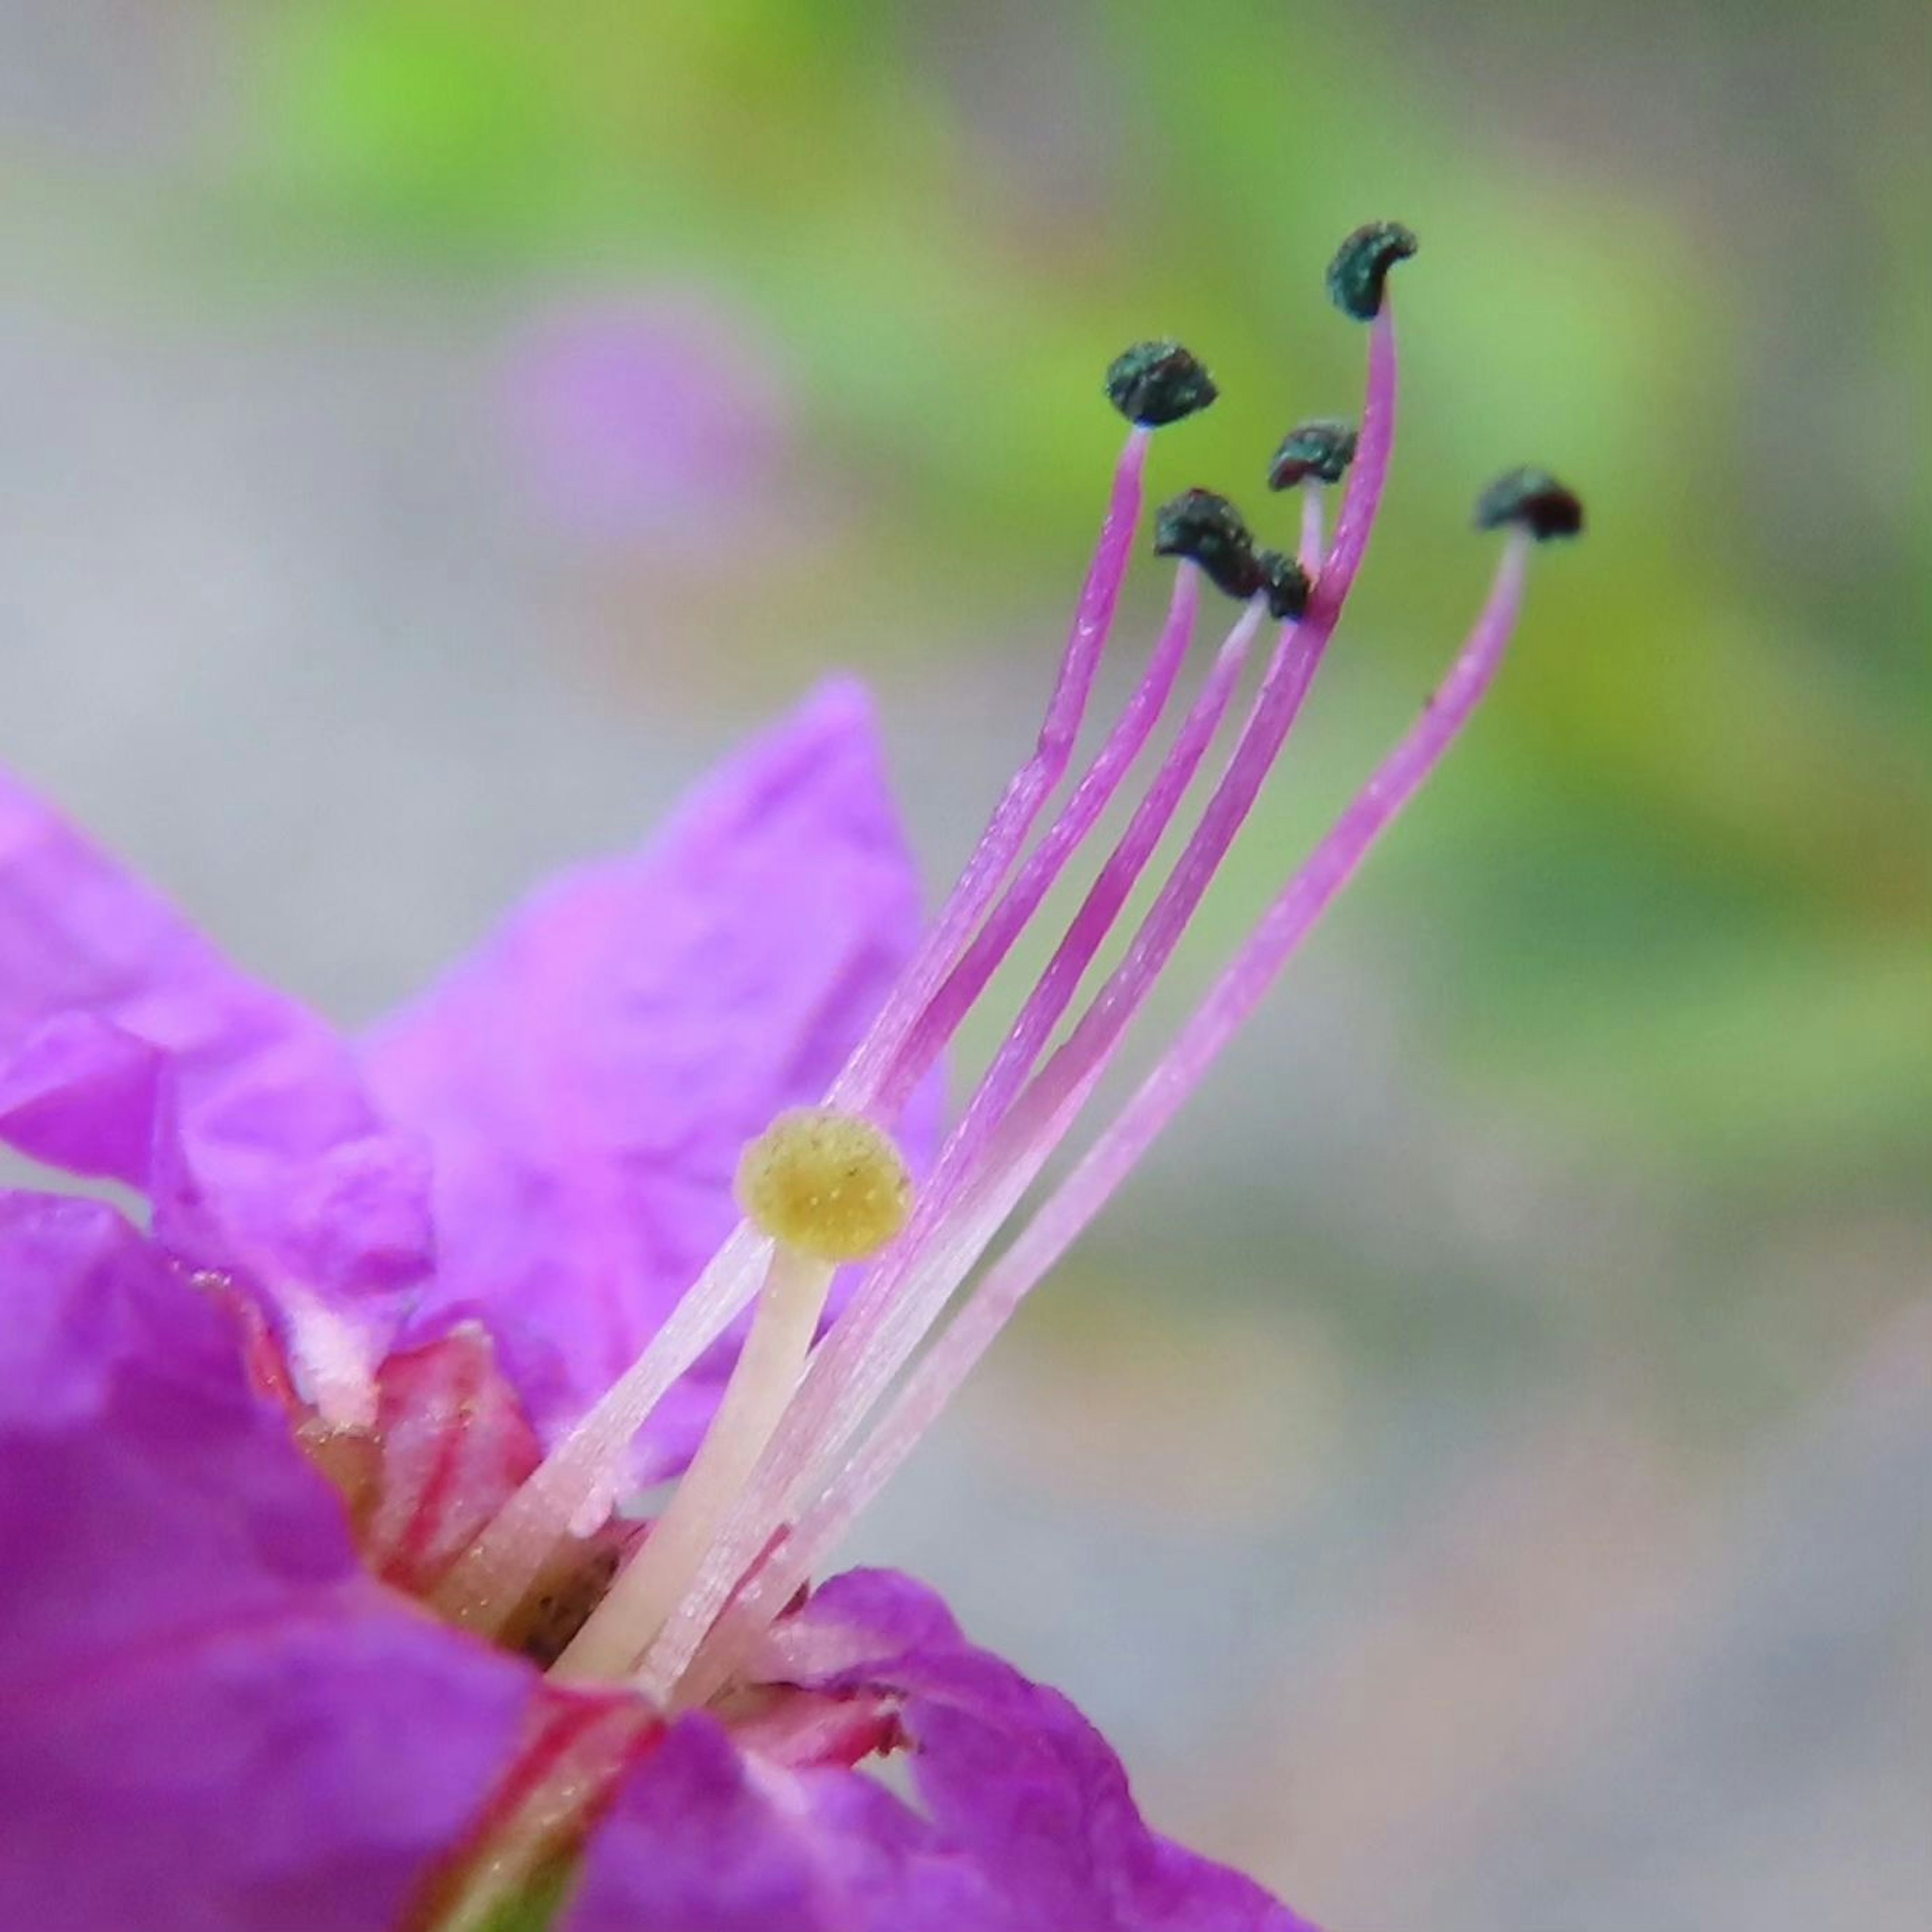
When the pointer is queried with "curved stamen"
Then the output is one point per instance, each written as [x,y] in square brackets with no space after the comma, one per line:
[954,1218]
[1273,941]
[880,1308]
[968,979]
[880,1328]
[576,1483]
[1296,659]
[1026,793]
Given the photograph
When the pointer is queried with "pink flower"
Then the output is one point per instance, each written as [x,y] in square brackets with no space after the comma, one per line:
[318,1610]
[647,414]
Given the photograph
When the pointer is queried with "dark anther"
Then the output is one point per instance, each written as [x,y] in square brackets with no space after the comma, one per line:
[1287,584]
[1320,451]
[1534,499]
[1155,383]
[1207,530]
[1361,266]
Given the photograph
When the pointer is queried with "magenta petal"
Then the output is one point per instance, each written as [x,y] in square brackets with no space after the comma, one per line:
[143,1486]
[1013,1773]
[80,1094]
[208,1718]
[300,1773]
[130,1048]
[863,1615]
[700,1841]
[587,1081]
[1016,1778]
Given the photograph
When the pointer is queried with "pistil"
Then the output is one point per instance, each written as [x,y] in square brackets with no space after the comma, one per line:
[827,1187]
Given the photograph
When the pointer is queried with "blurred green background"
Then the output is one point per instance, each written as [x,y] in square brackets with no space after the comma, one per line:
[1480,1472]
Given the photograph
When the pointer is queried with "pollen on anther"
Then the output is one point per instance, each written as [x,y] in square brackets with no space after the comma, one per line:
[1209,532]
[830,1184]
[1313,452]
[1362,264]
[1288,585]
[1533,499]
[1156,383]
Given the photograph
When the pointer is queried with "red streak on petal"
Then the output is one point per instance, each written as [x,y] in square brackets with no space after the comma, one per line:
[575,1749]
[800,1729]
[262,1357]
[454,1446]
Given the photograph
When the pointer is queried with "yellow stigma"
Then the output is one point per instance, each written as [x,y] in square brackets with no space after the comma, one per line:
[829,1184]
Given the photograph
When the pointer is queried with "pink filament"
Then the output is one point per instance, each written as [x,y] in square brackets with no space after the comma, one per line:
[934,1027]
[1275,709]
[846,1373]
[874,1339]
[854,1361]
[1310,552]
[1240,989]
[857,1086]
[501,1565]
[946,1233]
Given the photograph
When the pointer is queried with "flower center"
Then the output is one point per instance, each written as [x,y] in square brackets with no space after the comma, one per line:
[825,1186]
[451,1495]
[524,1548]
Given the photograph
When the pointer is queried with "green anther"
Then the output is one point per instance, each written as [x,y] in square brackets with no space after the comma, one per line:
[1361,266]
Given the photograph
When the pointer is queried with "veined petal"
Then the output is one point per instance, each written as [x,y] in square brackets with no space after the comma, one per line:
[131,1049]
[1012,1772]
[209,1718]
[1013,1776]
[302,1772]
[587,1080]
[143,1486]
[701,1841]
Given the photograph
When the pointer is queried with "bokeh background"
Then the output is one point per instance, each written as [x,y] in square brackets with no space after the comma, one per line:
[1481,1474]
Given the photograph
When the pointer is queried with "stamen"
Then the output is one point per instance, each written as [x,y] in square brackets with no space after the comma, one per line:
[1534,499]
[1091,798]
[1025,795]
[1311,551]
[1361,265]
[1282,694]
[1311,454]
[1319,451]
[1156,383]
[1286,583]
[1239,990]
[577,1481]
[898,1299]
[867,1347]
[1208,530]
